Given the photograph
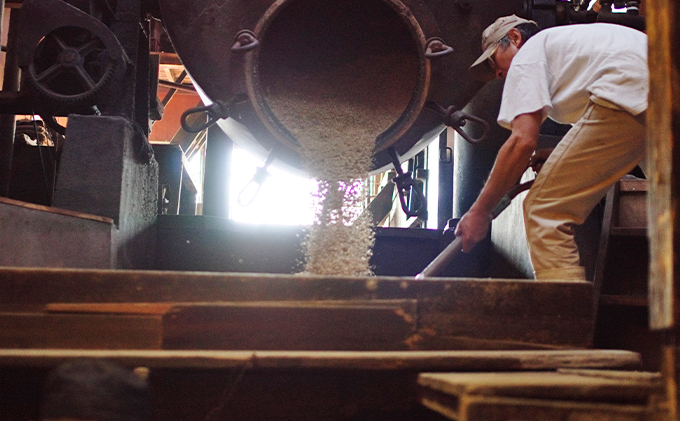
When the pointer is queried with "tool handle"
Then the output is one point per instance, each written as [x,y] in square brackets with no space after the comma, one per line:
[457,244]
[442,259]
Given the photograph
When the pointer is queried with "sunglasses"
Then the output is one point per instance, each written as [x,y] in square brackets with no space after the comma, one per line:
[490,60]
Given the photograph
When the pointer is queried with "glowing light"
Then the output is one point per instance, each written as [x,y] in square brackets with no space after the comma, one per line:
[283,199]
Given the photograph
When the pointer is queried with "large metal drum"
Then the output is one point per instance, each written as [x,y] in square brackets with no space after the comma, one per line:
[382,54]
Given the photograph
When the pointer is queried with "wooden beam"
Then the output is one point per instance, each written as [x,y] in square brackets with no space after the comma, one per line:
[510,311]
[663,127]
[82,331]
[417,361]
[283,386]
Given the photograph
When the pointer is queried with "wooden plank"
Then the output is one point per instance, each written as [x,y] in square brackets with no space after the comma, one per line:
[632,212]
[625,300]
[522,311]
[603,247]
[653,378]
[35,330]
[110,308]
[503,409]
[632,387]
[500,311]
[342,325]
[291,326]
[388,360]
[633,185]
[566,394]
[55,285]
[663,128]
[427,339]
[388,325]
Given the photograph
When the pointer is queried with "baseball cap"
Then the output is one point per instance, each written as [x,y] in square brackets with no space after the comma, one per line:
[490,37]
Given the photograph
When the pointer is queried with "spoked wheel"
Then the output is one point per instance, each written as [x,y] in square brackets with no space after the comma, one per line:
[71,65]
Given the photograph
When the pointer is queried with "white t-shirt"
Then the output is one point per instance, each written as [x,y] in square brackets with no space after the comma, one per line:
[560,69]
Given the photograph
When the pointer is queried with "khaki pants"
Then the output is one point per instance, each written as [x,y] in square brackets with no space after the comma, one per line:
[598,150]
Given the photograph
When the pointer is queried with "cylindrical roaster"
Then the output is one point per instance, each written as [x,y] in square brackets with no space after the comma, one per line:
[374,63]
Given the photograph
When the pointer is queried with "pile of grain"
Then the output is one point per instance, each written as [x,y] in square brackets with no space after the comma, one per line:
[335,114]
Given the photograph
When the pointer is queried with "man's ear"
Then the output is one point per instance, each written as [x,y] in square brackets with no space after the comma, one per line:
[515,37]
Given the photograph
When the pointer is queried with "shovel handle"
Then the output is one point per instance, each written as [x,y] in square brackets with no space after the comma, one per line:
[442,259]
[456,245]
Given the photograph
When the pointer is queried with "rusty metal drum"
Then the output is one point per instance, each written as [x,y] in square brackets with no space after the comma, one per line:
[392,55]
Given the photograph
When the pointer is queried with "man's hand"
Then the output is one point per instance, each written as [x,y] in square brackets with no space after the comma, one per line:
[511,162]
[473,227]
[538,158]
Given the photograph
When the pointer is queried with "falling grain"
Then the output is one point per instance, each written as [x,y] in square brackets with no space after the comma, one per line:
[335,114]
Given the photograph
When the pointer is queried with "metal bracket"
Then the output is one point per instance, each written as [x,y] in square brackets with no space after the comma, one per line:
[215,111]
[404,184]
[250,191]
[435,47]
[457,119]
[245,41]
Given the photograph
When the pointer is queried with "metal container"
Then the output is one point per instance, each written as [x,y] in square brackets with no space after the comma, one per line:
[403,53]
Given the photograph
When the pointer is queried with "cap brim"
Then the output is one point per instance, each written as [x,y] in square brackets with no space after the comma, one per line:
[480,69]
[482,72]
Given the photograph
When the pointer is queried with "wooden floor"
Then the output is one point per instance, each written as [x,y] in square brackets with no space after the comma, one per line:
[287,347]
[541,396]
[287,385]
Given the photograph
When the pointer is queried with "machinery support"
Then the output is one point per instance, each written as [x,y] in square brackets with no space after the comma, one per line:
[10,83]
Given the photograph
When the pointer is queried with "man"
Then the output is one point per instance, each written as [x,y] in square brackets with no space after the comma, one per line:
[593,76]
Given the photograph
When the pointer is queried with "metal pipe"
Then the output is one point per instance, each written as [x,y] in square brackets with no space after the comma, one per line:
[445,202]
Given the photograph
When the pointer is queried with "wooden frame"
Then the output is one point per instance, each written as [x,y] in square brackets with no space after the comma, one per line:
[663,127]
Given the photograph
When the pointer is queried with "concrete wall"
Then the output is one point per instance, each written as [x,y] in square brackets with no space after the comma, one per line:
[38,236]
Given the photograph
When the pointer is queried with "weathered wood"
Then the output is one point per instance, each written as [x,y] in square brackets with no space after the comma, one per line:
[468,314]
[367,360]
[621,387]
[110,308]
[344,325]
[663,128]
[31,330]
[503,409]
[625,300]
[603,249]
[266,385]
[632,200]
[639,185]
[298,325]
[651,377]
[428,339]
[539,395]
[520,311]
[291,326]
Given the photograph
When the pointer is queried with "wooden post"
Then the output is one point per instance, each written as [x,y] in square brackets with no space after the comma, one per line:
[663,128]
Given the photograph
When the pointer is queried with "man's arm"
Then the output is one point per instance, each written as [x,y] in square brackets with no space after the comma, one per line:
[511,162]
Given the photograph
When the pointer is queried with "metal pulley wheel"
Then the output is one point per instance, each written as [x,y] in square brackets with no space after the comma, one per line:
[71,65]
